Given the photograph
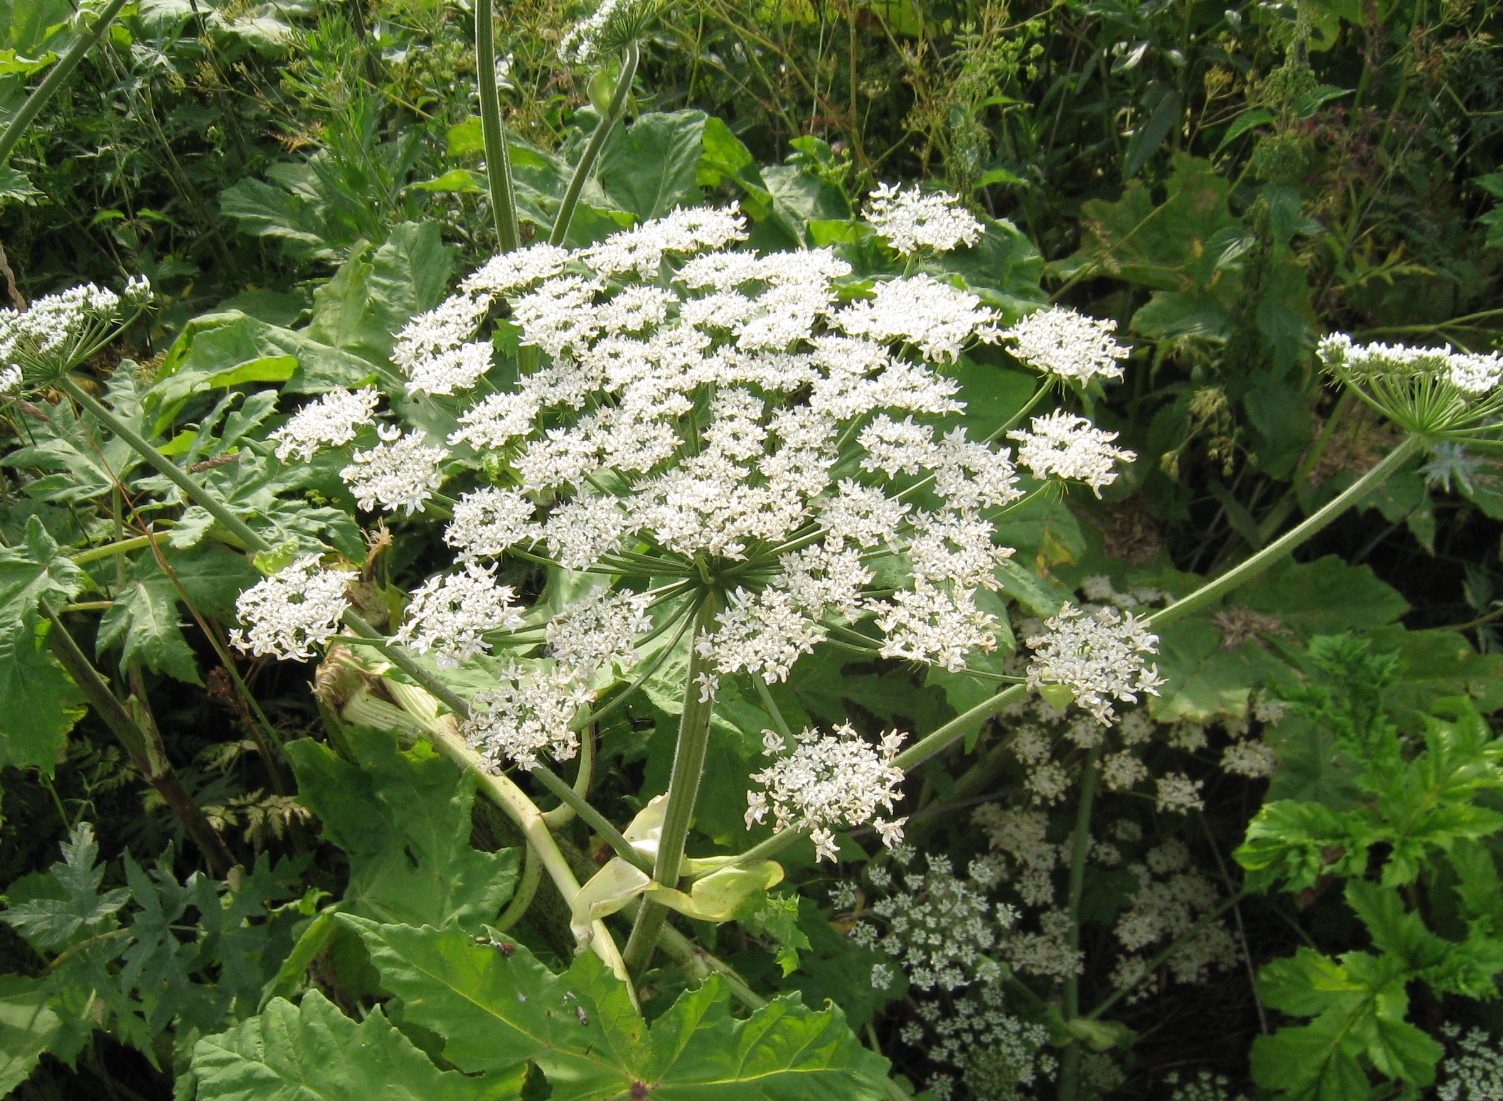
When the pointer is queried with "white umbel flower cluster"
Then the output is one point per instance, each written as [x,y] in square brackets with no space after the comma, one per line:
[1473,1067]
[607,28]
[401,472]
[939,928]
[450,616]
[295,610]
[1470,372]
[829,782]
[1097,655]
[331,421]
[600,631]
[1066,445]
[910,220]
[60,330]
[702,417]
[530,713]
[1067,344]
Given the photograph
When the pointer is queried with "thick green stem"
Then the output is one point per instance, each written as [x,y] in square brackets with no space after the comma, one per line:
[56,79]
[196,493]
[683,791]
[563,814]
[592,817]
[526,891]
[592,150]
[1282,546]
[497,159]
[124,546]
[1069,1077]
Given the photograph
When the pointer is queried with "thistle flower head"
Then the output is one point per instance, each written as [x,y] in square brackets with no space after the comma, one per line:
[1433,392]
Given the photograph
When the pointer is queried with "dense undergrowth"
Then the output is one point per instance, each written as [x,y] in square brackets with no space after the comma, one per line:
[1266,870]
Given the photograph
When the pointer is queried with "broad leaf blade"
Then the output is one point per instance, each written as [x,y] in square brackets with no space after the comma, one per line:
[404,820]
[498,1008]
[313,1052]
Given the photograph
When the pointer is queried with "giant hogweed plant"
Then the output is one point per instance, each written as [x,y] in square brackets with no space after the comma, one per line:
[714,463]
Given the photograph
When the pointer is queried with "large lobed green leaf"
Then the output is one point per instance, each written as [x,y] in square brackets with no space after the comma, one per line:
[313,1052]
[404,821]
[496,1009]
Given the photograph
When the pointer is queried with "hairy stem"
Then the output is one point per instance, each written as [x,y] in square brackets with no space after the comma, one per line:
[1069,1076]
[55,80]
[196,493]
[497,158]
[683,791]
[591,153]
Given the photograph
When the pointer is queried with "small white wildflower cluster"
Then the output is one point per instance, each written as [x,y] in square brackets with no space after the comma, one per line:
[911,220]
[331,421]
[293,611]
[1042,737]
[1025,859]
[61,330]
[536,707]
[826,782]
[532,712]
[1097,655]
[995,1052]
[1067,344]
[935,925]
[1066,445]
[941,930]
[609,27]
[1472,1069]
[1171,897]
[1100,589]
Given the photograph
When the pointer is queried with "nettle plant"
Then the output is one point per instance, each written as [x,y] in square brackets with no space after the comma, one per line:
[661,463]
